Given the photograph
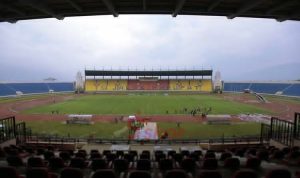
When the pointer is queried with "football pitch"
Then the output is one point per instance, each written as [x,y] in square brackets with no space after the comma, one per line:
[119,130]
[146,104]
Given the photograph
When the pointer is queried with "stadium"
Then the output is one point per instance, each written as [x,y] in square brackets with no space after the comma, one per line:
[128,123]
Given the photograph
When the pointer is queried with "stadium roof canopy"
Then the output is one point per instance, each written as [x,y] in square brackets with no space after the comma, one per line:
[149,73]
[281,10]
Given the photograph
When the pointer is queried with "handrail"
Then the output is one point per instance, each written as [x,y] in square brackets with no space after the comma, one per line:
[221,140]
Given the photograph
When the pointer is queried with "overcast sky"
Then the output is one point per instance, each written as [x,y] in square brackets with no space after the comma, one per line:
[241,49]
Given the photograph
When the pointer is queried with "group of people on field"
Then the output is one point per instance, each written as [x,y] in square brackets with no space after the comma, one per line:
[194,111]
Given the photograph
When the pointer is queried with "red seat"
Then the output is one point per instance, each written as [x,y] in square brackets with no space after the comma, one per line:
[159,156]
[104,173]
[14,161]
[48,155]
[78,163]
[143,164]
[232,163]
[178,157]
[8,172]
[37,173]
[95,155]
[166,164]
[209,174]
[129,157]
[177,173]
[56,163]
[253,163]
[35,162]
[245,174]
[139,174]
[120,165]
[279,173]
[99,163]
[210,163]
[133,152]
[225,155]
[188,164]
[145,156]
[65,155]
[210,155]
[71,173]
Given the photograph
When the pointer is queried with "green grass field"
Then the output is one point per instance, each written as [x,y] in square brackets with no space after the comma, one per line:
[119,130]
[146,104]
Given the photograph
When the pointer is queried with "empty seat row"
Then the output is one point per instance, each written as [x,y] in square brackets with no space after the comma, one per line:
[11,172]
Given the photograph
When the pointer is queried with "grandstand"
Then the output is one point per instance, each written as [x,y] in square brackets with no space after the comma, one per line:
[105,85]
[195,80]
[274,88]
[11,89]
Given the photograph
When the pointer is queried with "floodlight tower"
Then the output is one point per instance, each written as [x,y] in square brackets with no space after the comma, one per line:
[218,86]
[79,83]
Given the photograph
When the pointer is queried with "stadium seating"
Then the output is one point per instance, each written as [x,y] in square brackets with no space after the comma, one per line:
[10,172]
[90,85]
[191,85]
[105,85]
[214,165]
[34,88]
[6,91]
[148,85]
[204,85]
[290,89]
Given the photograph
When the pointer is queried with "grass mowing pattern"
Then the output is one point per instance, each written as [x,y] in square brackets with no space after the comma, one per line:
[113,130]
[293,100]
[100,129]
[197,130]
[22,98]
[146,105]
[29,97]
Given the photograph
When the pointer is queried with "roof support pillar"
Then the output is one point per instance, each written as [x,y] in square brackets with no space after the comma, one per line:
[284,18]
[110,6]
[75,5]
[11,8]
[244,8]
[214,5]
[283,5]
[179,6]
[144,5]
[38,5]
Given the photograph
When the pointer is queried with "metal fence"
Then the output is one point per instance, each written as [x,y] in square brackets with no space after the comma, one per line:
[219,140]
[20,133]
[282,131]
[7,129]
[279,130]
[297,126]
[265,132]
